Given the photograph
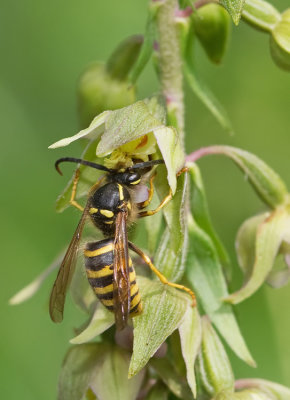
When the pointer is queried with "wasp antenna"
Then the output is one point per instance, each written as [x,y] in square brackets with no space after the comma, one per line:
[147,164]
[80,161]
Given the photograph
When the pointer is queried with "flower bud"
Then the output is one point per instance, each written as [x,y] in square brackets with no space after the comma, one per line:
[212,27]
[105,86]
[97,92]
[261,15]
[280,42]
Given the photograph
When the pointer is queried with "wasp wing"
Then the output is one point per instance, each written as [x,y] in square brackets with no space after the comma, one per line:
[121,286]
[65,273]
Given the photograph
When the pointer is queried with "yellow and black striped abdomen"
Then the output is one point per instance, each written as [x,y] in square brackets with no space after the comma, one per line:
[99,262]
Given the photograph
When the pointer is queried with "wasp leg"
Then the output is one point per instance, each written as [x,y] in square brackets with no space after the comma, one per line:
[163,202]
[162,278]
[161,205]
[74,191]
[146,203]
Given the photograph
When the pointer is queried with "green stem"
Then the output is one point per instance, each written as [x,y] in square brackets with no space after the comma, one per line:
[171,65]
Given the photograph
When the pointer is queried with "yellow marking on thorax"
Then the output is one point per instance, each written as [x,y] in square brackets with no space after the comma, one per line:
[93,210]
[108,222]
[103,290]
[129,206]
[105,271]
[135,182]
[98,252]
[121,193]
[107,213]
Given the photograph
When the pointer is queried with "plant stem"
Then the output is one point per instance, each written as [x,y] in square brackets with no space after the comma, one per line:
[171,65]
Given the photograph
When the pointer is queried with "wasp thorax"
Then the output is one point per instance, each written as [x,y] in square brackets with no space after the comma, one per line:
[105,204]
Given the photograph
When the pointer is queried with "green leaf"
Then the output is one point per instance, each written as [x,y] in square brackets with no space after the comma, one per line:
[234,8]
[171,253]
[93,132]
[200,212]
[88,177]
[280,392]
[176,384]
[158,392]
[111,380]
[205,95]
[126,124]
[204,272]
[269,237]
[77,370]
[28,291]
[146,49]
[90,366]
[261,14]
[100,322]
[268,185]
[246,243]
[190,339]
[164,308]
[215,369]
[170,147]
[153,226]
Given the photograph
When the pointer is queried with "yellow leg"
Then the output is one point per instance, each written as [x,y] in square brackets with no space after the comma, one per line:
[74,191]
[161,205]
[162,278]
[146,203]
[163,202]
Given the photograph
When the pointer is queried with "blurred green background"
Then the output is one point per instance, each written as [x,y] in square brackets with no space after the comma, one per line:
[44,47]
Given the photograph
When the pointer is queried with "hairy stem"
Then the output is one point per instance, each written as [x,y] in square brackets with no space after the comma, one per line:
[171,65]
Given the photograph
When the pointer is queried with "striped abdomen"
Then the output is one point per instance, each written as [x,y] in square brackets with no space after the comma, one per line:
[99,262]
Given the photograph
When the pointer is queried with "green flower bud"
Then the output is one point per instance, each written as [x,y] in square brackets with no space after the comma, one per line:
[106,87]
[280,42]
[212,27]
[261,15]
[97,92]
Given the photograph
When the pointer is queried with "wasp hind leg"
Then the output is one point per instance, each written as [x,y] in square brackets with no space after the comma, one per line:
[161,277]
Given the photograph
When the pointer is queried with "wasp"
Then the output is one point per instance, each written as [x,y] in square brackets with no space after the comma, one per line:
[110,272]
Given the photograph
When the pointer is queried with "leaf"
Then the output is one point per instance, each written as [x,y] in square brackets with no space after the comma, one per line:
[111,380]
[101,320]
[158,392]
[170,147]
[164,308]
[204,272]
[146,49]
[234,8]
[200,212]
[28,291]
[77,370]
[153,226]
[92,132]
[280,392]
[171,378]
[90,365]
[268,185]
[126,124]
[246,241]
[205,95]
[215,369]
[88,177]
[190,339]
[171,253]
[269,237]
